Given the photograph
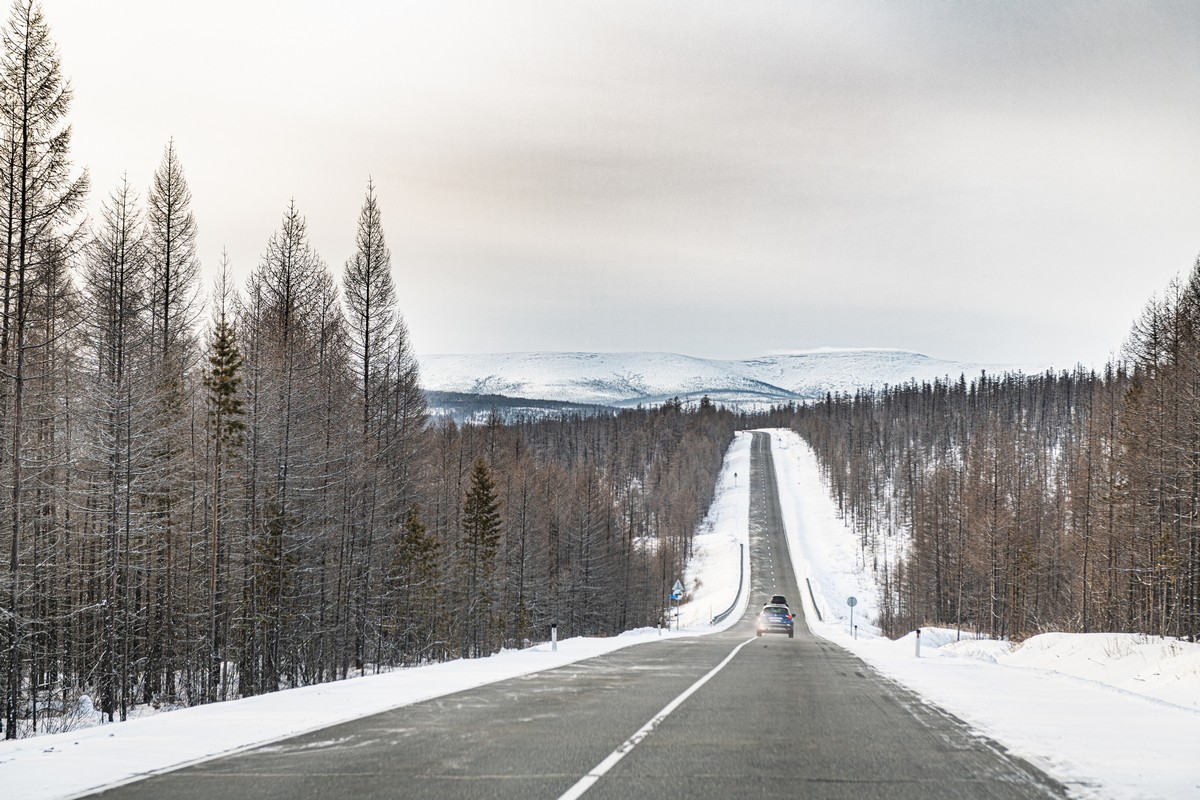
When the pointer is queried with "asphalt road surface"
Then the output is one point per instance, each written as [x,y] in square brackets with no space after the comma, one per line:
[773,718]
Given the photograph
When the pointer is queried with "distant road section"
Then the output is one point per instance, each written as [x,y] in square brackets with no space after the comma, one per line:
[706,718]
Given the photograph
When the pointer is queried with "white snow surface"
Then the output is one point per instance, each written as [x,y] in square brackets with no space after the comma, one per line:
[1109,715]
[627,379]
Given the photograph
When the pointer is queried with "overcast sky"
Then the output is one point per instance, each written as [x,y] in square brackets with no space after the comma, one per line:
[992,181]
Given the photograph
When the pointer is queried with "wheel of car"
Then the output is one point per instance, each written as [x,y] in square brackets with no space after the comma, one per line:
[790,635]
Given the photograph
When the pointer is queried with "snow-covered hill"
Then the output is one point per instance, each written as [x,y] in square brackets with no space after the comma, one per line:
[627,379]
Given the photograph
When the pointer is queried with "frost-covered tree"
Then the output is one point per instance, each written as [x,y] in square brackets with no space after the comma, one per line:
[173,479]
[287,327]
[40,198]
[371,303]
[55,551]
[175,268]
[115,288]
[390,404]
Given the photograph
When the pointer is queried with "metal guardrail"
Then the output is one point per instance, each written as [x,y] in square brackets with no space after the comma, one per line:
[816,607]
[741,580]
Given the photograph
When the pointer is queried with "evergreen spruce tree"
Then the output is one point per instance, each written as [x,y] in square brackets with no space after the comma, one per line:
[222,378]
[477,557]
[414,585]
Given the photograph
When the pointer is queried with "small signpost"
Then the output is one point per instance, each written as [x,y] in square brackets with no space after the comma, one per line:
[852,601]
[676,596]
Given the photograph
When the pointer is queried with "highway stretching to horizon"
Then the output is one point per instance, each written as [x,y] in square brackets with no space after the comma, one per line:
[704,718]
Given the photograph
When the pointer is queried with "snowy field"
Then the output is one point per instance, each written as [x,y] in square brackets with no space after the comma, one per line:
[1111,716]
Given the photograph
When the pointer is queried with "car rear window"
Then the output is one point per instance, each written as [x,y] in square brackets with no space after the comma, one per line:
[776,610]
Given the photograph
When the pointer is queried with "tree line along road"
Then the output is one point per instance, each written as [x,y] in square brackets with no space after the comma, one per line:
[768,717]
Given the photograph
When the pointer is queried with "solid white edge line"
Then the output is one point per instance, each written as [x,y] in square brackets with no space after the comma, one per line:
[610,761]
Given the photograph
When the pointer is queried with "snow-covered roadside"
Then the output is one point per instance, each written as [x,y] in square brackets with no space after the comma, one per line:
[1112,716]
[1109,715]
[719,547]
[75,763]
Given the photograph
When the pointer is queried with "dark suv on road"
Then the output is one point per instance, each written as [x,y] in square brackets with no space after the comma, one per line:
[775,618]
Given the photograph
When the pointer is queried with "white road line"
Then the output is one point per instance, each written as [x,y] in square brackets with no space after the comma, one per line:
[585,783]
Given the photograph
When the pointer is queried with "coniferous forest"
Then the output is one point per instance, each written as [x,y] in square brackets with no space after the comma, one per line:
[218,491]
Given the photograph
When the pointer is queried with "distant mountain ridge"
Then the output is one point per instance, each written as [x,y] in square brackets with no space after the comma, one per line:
[629,379]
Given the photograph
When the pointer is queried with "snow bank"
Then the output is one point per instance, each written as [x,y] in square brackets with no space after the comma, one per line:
[1165,669]
[719,547]
[77,762]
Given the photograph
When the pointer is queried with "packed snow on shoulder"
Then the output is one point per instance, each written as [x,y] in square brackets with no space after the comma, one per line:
[1109,715]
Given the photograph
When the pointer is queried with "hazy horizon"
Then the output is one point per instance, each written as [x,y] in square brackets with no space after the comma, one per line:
[822,350]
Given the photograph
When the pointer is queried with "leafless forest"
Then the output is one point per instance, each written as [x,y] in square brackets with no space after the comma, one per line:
[217,491]
[1018,505]
[217,494]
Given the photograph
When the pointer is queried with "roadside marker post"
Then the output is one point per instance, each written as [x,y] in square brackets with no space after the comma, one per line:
[676,596]
[554,637]
[918,642]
